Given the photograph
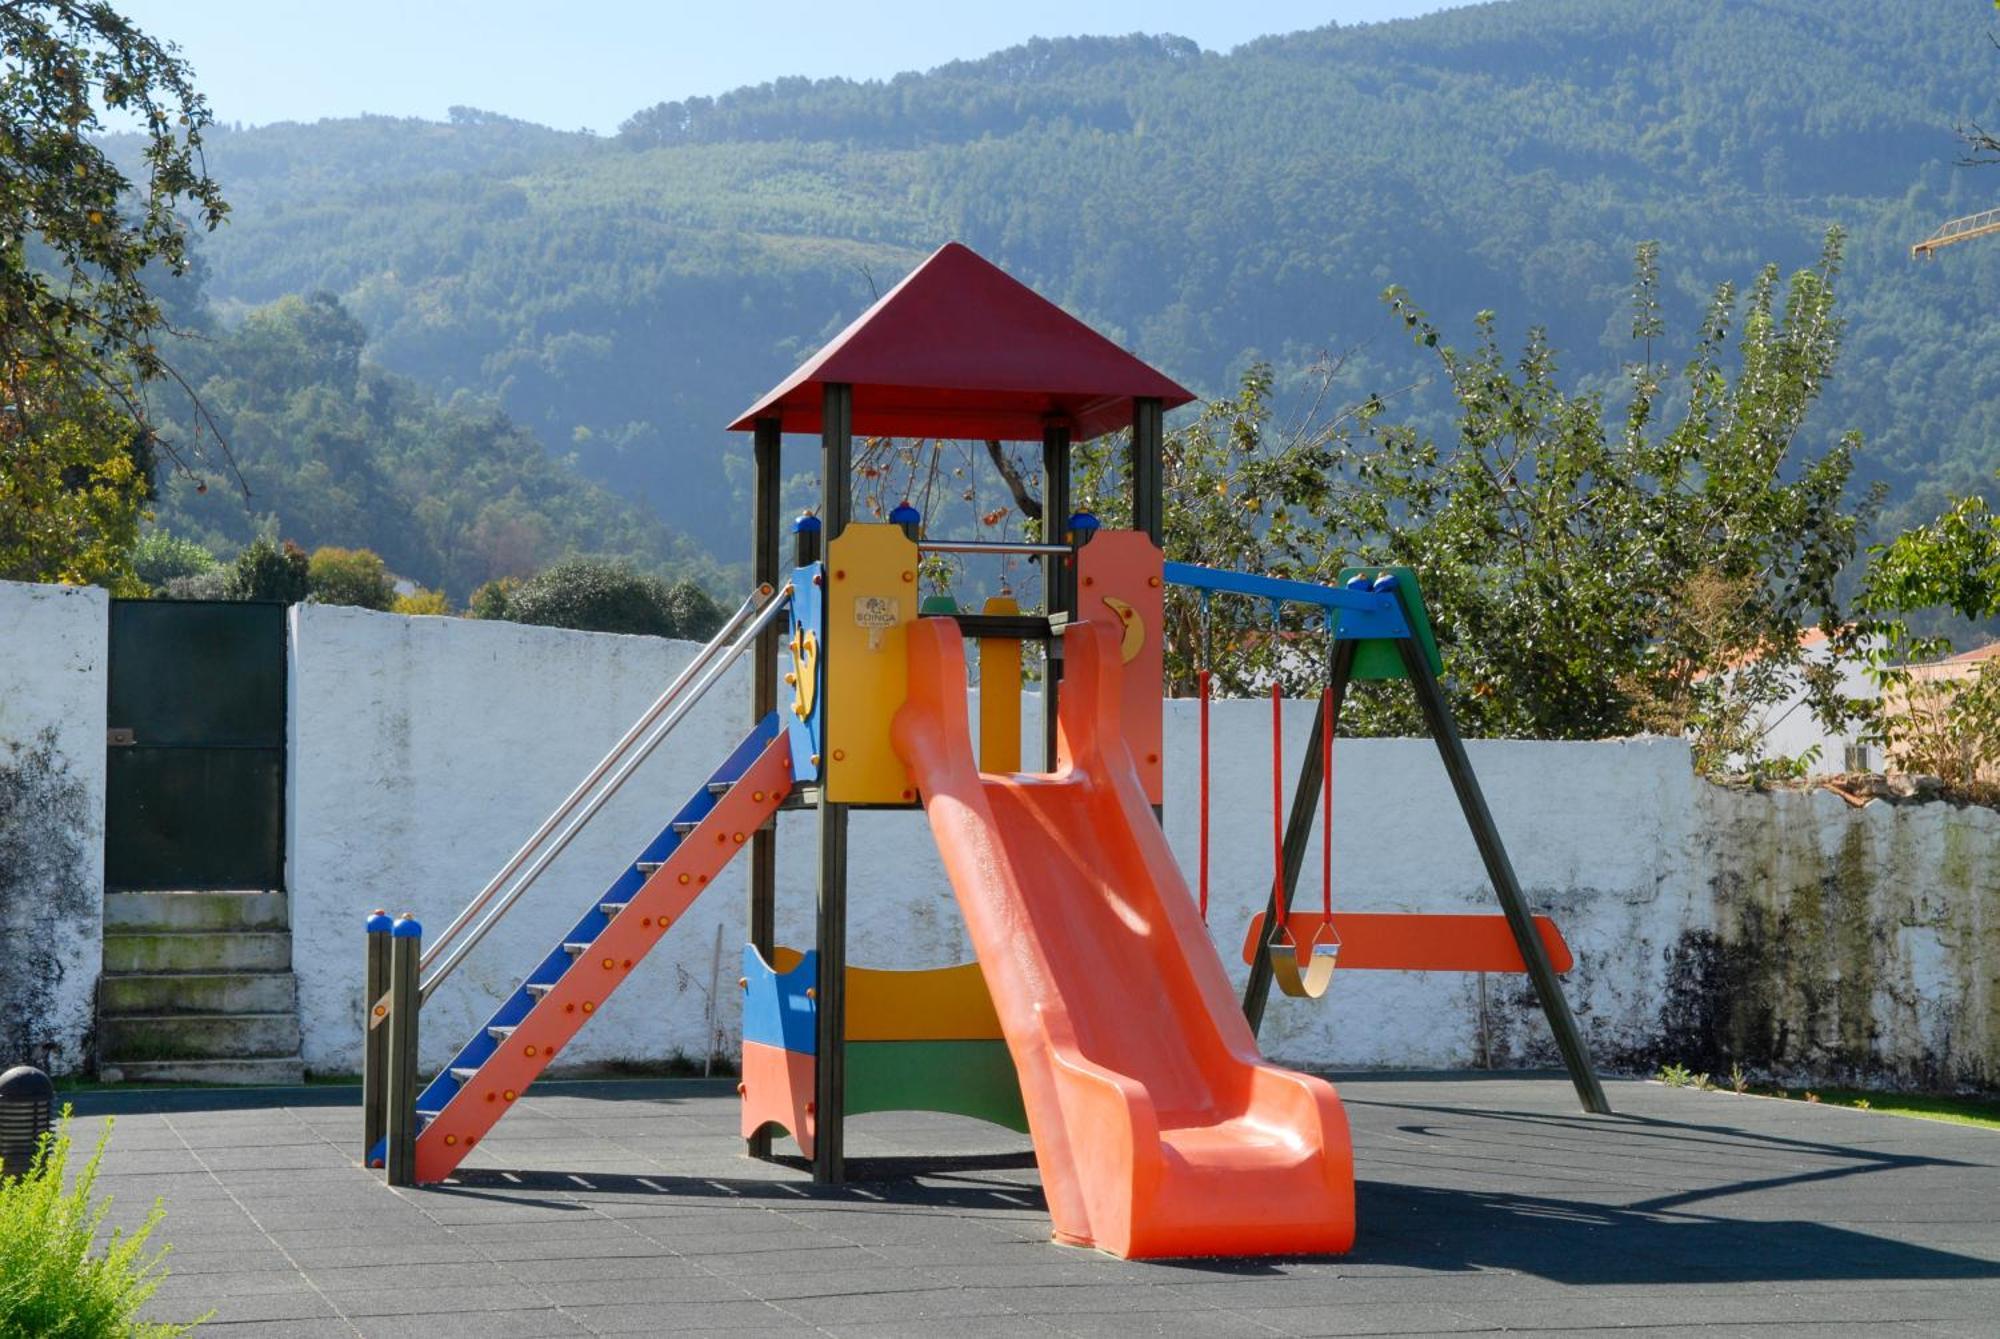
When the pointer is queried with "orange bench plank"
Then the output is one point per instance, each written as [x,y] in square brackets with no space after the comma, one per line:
[1421,942]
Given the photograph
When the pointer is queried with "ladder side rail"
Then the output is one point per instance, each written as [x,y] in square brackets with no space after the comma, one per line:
[597,773]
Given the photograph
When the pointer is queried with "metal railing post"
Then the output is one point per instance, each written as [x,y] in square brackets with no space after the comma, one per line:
[375,1036]
[406,939]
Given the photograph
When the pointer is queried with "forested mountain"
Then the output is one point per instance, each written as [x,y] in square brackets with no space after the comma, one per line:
[622,298]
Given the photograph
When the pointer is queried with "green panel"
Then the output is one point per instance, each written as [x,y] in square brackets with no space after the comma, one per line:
[1375,657]
[965,1078]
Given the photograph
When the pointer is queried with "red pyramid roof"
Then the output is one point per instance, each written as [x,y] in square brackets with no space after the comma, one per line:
[962,349]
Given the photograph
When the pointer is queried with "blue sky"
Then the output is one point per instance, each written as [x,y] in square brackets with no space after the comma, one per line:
[591,65]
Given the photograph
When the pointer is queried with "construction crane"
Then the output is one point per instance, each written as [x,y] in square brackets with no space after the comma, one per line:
[1957,230]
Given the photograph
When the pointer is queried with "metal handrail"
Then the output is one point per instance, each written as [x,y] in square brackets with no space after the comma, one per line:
[744,642]
[743,611]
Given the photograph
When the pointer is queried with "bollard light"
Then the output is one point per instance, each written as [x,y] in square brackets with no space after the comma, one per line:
[27,1109]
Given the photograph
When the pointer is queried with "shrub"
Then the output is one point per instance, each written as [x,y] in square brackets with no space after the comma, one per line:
[421,601]
[50,1283]
[597,596]
[355,577]
[694,611]
[160,557]
[266,571]
[210,585]
[490,600]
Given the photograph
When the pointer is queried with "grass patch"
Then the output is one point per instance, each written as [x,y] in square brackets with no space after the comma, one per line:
[1958,1110]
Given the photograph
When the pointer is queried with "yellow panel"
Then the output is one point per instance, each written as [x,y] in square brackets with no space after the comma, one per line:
[1000,695]
[935,1004]
[929,1004]
[871,598]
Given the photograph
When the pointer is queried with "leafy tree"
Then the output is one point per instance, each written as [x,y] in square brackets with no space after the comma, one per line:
[72,489]
[268,571]
[490,599]
[350,576]
[161,557]
[80,322]
[1933,721]
[598,596]
[1592,576]
[1590,571]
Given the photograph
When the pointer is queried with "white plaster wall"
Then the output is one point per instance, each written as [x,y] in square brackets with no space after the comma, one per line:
[426,749]
[53,643]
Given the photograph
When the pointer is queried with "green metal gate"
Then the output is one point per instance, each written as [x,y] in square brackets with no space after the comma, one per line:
[196,787]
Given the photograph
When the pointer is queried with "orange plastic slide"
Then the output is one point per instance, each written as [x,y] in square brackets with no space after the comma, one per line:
[1158,1128]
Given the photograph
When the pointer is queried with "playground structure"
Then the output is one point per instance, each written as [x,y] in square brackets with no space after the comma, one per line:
[1098,1016]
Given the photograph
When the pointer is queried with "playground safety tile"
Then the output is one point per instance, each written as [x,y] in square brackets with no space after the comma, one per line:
[646,1318]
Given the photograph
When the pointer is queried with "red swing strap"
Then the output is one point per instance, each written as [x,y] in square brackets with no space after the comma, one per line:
[1202,693]
[1278,809]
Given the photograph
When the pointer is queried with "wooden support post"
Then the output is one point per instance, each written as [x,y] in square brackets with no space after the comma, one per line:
[375,1038]
[1058,572]
[1149,508]
[764,563]
[1298,829]
[1500,871]
[405,946]
[830,1018]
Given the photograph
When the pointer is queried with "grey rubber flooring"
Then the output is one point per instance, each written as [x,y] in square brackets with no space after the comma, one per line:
[1485,1204]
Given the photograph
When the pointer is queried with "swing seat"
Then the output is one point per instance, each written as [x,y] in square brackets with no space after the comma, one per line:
[1304,977]
[1412,942]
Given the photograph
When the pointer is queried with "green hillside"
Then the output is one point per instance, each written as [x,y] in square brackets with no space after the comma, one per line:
[622,298]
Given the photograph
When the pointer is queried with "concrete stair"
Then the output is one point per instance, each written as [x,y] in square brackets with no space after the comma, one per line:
[198,988]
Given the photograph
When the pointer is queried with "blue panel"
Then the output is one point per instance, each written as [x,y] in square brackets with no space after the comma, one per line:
[808,615]
[518,1005]
[776,1010]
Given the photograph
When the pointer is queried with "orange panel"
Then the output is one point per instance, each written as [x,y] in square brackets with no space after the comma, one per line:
[1119,581]
[1158,1128]
[1399,942]
[777,1089]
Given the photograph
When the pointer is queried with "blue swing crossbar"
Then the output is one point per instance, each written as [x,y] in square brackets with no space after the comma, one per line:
[1362,608]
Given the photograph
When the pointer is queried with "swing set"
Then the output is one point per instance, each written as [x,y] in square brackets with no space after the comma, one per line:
[1298,950]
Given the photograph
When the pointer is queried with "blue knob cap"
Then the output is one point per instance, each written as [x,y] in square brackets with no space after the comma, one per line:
[1083,523]
[1358,583]
[407,927]
[806,522]
[1385,582]
[905,514]
[379,923]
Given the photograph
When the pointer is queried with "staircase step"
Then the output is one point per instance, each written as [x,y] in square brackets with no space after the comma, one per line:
[721,787]
[576,950]
[195,911]
[612,908]
[200,993]
[538,989]
[197,951]
[686,825]
[266,1071]
[500,1033]
[649,867]
[463,1072]
[197,1037]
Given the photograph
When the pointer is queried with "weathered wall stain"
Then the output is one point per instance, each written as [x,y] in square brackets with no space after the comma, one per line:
[45,820]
